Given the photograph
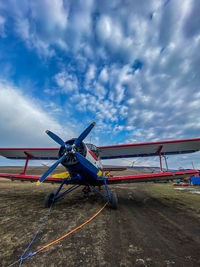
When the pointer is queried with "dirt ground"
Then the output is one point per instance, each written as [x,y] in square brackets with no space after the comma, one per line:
[153,226]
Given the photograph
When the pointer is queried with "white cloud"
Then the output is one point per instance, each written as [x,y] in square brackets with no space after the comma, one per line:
[103,110]
[39,24]
[90,76]
[103,77]
[67,82]
[192,20]
[104,28]
[110,34]
[52,15]
[23,121]
[100,91]
[2,26]
[119,78]
[23,28]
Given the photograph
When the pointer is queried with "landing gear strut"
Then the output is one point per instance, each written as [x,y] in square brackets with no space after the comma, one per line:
[50,198]
[112,198]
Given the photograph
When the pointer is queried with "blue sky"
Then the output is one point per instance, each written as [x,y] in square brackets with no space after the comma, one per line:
[131,66]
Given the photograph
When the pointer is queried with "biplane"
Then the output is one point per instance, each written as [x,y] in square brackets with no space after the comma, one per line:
[83,163]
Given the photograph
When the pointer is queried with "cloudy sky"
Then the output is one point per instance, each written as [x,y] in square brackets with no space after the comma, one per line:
[131,66]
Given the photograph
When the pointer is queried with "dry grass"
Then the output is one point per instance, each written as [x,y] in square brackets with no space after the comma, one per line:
[169,195]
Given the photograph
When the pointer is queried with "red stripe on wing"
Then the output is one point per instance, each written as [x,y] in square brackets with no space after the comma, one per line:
[152,143]
[29,177]
[151,177]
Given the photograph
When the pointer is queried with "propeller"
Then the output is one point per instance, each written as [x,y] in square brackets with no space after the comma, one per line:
[87,164]
[84,134]
[69,149]
[56,138]
[44,176]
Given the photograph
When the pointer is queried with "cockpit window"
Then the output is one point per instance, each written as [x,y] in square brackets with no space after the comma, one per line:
[94,149]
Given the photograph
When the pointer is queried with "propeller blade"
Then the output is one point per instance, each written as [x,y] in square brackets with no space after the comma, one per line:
[44,176]
[56,138]
[84,134]
[87,164]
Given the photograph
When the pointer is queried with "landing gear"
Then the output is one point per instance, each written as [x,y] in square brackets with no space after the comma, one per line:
[114,201]
[53,197]
[112,198]
[86,191]
[48,200]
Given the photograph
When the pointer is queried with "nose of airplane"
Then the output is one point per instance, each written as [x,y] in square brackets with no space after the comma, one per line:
[68,149]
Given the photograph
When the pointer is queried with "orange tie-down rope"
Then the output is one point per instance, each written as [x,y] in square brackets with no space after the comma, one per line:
[75,229]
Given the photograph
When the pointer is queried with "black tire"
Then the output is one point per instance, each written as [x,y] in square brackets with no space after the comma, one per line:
[114,201]
[48,200]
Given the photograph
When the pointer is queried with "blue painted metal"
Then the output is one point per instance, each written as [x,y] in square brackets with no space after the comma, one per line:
[79,178]
[107,189]
[69,148]
[44,176]
[107,198]
[65,192]
[84,134]
[56,138]
[59,188]
[86,164]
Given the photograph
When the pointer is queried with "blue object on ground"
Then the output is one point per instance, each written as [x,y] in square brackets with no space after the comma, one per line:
[195,180]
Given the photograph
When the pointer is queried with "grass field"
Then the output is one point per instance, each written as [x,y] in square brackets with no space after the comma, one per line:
[155,225]
[169,195]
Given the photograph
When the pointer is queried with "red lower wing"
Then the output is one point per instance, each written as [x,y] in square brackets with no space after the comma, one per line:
[151,177]
[112,180]
[30,178]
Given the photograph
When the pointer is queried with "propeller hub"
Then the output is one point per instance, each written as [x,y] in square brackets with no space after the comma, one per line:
[69,149]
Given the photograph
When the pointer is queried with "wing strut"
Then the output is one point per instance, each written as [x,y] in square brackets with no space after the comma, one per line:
[164,156]
[28,156]
[160,156]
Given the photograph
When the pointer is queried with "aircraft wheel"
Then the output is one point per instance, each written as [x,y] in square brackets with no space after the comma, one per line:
[114,201]
[48,200]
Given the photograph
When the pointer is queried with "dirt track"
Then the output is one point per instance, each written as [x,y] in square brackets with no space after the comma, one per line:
[144,231]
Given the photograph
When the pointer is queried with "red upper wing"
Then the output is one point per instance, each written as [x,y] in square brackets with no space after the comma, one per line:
[111,152]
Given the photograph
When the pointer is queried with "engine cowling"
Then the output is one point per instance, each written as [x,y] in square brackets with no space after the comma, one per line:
[70,159]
